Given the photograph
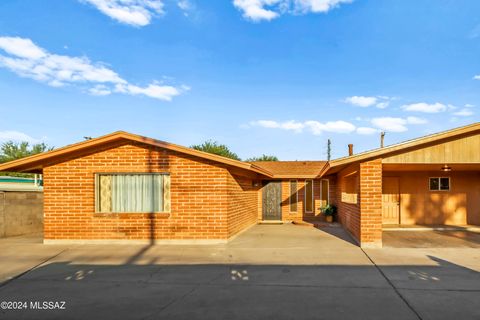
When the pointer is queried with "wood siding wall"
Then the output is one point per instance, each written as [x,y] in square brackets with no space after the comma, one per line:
[419,205]
[461,150]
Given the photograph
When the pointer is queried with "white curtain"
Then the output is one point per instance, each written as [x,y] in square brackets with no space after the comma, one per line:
[137,193]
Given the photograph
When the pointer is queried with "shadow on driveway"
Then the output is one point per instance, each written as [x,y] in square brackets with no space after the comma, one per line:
[282,272]
[225,291]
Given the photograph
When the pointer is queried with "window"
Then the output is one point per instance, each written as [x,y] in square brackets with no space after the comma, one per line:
[145,192]
[439,184]
[325,198]
[349,190]
[309,196]
[293,196]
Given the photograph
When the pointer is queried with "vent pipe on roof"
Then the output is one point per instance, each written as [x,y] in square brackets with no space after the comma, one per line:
[350,149]
[382,139]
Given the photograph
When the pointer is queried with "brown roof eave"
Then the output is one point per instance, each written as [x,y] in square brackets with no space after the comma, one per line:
[40,160]
[407,145]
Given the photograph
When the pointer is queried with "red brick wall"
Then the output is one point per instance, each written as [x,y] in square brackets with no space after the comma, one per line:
[371,203]
[199,197]
[242,203]
[364,218]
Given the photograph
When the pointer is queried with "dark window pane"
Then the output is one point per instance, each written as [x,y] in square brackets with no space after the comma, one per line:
[293,195]
[434,184]
[324,192]
[309,196]
[445,184]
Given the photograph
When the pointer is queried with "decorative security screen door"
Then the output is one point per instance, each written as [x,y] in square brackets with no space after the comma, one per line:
[272,198]
[390,201]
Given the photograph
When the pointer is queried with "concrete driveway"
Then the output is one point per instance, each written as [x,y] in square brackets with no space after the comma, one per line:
[270,271]
[431,238]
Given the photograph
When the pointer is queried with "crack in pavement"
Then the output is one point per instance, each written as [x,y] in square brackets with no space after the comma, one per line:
[3,284]
[393,287]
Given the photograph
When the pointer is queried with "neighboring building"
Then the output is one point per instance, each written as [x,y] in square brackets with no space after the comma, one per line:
[127,187]
[21,206]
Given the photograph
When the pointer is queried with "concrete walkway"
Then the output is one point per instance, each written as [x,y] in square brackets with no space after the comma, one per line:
[270,271]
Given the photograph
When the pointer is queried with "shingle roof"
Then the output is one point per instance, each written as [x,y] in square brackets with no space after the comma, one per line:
[292,169]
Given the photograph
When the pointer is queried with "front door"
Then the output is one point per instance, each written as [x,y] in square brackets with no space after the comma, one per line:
[390,200]
[271,201]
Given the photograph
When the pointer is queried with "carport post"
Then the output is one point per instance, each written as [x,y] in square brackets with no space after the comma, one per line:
[371,204]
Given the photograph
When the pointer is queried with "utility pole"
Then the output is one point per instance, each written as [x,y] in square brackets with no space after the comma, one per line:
[329,149]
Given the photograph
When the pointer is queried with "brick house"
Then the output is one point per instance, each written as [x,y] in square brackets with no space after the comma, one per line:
[124,187]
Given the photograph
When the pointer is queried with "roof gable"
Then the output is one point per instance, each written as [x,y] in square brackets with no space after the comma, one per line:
[407,146]
[292,169]
[36,162]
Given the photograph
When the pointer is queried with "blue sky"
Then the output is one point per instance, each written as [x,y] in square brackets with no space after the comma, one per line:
[262,76]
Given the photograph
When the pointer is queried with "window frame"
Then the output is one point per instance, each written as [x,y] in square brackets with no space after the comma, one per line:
[439,184]
[328,190]
[296,195]
[350,181]
[305,196]
[97,193]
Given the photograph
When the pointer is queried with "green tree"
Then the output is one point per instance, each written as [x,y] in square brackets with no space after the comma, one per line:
[263,157]
[216,148]
[10,151]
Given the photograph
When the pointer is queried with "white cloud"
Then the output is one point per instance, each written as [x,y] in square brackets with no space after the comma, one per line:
[23,48]
[468,105]
[287,125]
[361,101]
[185,5]
[477,77]
[28,60]
[17,137]
[388,124]
[331,126]
[380,102]
[152,90]
[317,5]
[415,120]
[137,13]
[367,130]
[426,108]
[257,10]
[382,105]
[315,127]
[100,90]
[464,113]
[391,124]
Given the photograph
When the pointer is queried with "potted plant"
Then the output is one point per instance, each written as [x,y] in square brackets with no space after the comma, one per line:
[329,211]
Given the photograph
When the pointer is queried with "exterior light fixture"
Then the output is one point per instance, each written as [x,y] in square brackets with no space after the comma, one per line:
[446,168]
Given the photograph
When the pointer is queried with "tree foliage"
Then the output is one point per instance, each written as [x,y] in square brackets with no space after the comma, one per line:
[11,150]
[216,148]
[263,157]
